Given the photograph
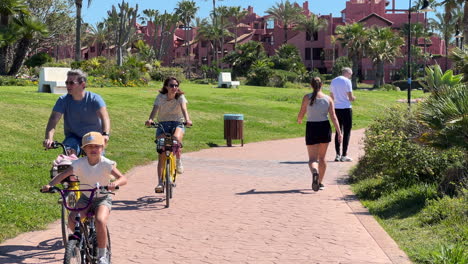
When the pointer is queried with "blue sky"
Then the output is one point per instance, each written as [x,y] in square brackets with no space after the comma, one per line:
[98,9]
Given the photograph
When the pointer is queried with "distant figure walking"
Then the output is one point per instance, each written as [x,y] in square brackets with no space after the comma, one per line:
[318,130]
[341,90]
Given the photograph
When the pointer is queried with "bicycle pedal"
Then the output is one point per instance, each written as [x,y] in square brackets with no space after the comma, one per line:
[60,201]
[156,190]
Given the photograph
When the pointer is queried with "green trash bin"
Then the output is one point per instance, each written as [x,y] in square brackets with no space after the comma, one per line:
[233,128]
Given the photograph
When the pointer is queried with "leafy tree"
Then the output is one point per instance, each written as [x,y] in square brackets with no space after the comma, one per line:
[436,79]
[223,24]
[353,37]
[341,63]
[311,25]
[98,35]
[260,72]
[209,32]
[287,13]
[242,59]
[450,6]
[383,46]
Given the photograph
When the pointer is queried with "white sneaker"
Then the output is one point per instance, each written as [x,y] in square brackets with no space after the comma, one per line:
[103,260]
[337,158]
[179,167]
[346,158]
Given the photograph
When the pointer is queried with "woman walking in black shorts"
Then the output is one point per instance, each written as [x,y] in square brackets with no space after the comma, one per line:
[318,107]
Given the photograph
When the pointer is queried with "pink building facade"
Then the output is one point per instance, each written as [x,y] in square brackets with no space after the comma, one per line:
[317,52]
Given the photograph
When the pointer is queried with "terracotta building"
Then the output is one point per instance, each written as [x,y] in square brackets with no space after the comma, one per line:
[317,52]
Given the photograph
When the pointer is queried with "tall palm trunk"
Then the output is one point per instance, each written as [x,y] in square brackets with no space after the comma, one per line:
[355,60]
[78,4]
[465,23]
[22,51]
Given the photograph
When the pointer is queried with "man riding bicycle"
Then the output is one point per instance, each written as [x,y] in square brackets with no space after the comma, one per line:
[83,112]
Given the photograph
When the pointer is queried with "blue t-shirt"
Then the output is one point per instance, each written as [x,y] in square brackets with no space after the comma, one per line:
[80,117]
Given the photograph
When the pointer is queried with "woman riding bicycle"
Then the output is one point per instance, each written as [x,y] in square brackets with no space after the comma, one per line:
[170,106]
[91,169]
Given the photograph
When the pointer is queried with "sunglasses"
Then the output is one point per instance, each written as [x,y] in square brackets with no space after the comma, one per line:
[71,82]
[173,85]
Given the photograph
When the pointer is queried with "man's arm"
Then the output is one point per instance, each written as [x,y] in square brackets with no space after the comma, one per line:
[351,97]
[50,129]
[104,116]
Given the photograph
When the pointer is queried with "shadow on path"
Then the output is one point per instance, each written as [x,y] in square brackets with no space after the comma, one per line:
[13,254]
[142,203]
[253,191]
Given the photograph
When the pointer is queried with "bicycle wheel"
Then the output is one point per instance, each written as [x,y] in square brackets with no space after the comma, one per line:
[73,253]
[71,202]
[168,182]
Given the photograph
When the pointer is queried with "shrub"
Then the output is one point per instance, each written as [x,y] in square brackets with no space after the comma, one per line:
[260,74]
[389,87]
[12,81]
[451,254]
[160,74]
[340,63]
[61,63]
[403,84]
[392,153]
[452,210]
[38,59]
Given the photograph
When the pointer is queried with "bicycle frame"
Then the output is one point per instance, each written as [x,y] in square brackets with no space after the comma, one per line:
[84,239]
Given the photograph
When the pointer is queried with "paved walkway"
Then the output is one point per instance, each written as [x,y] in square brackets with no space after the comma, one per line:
[250,204]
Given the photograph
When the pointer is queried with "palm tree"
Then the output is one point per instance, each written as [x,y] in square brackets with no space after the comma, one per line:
[186,10]
[286,13]
[446,28]
[28,30]
[9,9]
[223,25]
[353,37]
[384,46]
[98,35]
[311,25]
[449,6]
[243,58]
[237,15]
[209,32]
[78,5]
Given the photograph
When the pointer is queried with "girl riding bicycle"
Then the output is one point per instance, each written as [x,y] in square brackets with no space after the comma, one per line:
[91,169]
[170,106]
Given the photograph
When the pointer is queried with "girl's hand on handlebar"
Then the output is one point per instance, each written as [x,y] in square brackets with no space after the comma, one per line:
[112,186]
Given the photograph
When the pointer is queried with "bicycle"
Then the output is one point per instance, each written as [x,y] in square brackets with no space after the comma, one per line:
[169,145]
[70,183]
[82,245]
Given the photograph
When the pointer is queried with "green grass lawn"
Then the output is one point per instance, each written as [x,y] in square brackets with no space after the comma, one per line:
[269,113]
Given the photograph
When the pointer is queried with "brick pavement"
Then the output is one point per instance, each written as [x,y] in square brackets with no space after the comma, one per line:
[250,204]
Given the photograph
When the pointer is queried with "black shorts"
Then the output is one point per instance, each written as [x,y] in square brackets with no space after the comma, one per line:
[318,132]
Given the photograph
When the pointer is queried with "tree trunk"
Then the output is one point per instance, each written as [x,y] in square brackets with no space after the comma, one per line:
[465,23]
[78,31]
[3,60]
[355,60]
[22,49]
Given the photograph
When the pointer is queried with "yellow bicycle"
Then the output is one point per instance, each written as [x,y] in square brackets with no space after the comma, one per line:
[168,145]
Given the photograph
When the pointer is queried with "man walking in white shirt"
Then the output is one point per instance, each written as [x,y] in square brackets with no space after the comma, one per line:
[341,91]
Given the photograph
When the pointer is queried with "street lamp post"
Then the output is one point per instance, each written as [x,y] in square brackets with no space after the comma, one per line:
[425,8]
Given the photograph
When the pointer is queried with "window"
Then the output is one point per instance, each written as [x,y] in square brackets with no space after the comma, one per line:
[93,49]
[307,36]
[204,43]
[315,36]
[307,54]
[256,26]
[317,53]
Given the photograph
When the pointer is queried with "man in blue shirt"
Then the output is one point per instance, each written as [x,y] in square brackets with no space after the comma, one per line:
[83,112]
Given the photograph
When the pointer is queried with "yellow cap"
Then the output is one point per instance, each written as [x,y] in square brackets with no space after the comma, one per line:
[92,138]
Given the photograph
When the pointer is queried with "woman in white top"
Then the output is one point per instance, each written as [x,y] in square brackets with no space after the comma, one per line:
[318,130]
[171,108]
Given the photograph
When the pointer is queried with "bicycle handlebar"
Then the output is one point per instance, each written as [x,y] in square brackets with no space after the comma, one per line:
[102,189]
